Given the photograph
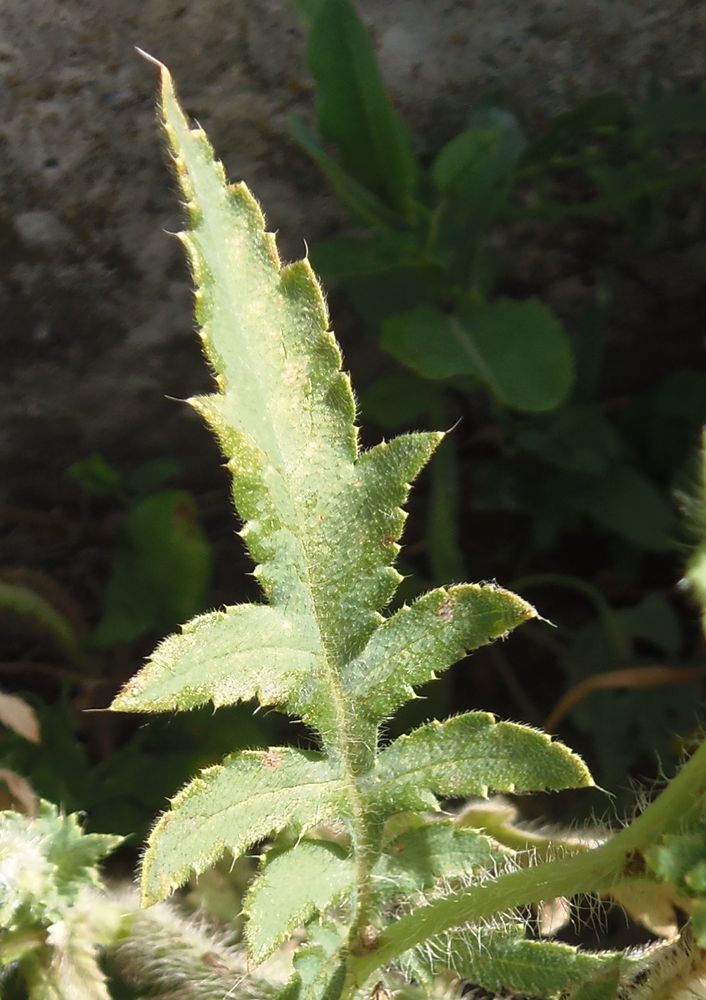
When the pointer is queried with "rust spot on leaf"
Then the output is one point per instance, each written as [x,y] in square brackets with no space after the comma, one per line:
[445,611]
[368,939]
[272,759]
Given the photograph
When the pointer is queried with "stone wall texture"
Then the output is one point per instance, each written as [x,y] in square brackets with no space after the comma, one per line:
[94,296]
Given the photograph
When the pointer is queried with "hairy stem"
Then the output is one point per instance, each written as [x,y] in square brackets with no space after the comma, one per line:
[597,870]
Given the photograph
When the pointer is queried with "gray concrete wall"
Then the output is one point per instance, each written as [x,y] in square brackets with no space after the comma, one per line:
[94,300]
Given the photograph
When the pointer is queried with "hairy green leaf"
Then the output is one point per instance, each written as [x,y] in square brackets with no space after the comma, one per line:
[45,861]
[48,873]
[472,754]
[161,569]
[679,860]
[322,521]
[418,858]
[234,805]
[419,641]
[320,968]
[603,986]
[313,876]
[508,961]
[162,953]
[292,887]
[363,204]
[246,651]
[72,970]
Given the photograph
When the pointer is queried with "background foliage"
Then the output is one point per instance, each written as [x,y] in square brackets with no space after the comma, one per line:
[558,480]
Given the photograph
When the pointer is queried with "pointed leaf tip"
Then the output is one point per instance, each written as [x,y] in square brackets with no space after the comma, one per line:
[420,640]
[151,59]
[473,754]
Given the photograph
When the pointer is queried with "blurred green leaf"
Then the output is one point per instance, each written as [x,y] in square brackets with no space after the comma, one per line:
[664,425]
[588,345]
[362,203]
[353,109]
[662,114]
[577,439]
[604,111]
[653,620]
[630,505]
[397,401]
[344,258]
[633,725]
[378,298]
[518,349]
[633,191]
[308,9]
[161,569]
[475,173]
[422,340]
[95,475]
[149,476]
[382,275]
[31,612]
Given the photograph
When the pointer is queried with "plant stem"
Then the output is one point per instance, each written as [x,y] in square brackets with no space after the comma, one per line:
[597,870]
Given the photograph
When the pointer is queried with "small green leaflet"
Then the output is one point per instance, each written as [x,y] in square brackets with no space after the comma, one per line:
[509,961]
[316,875]
[293,886]
[414,645]
[53,860]
[473,754]
[233,806]
[244,652]
[48,868]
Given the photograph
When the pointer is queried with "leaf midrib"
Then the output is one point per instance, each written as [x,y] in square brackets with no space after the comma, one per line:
[276,793]
[341,734]
[375,676]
